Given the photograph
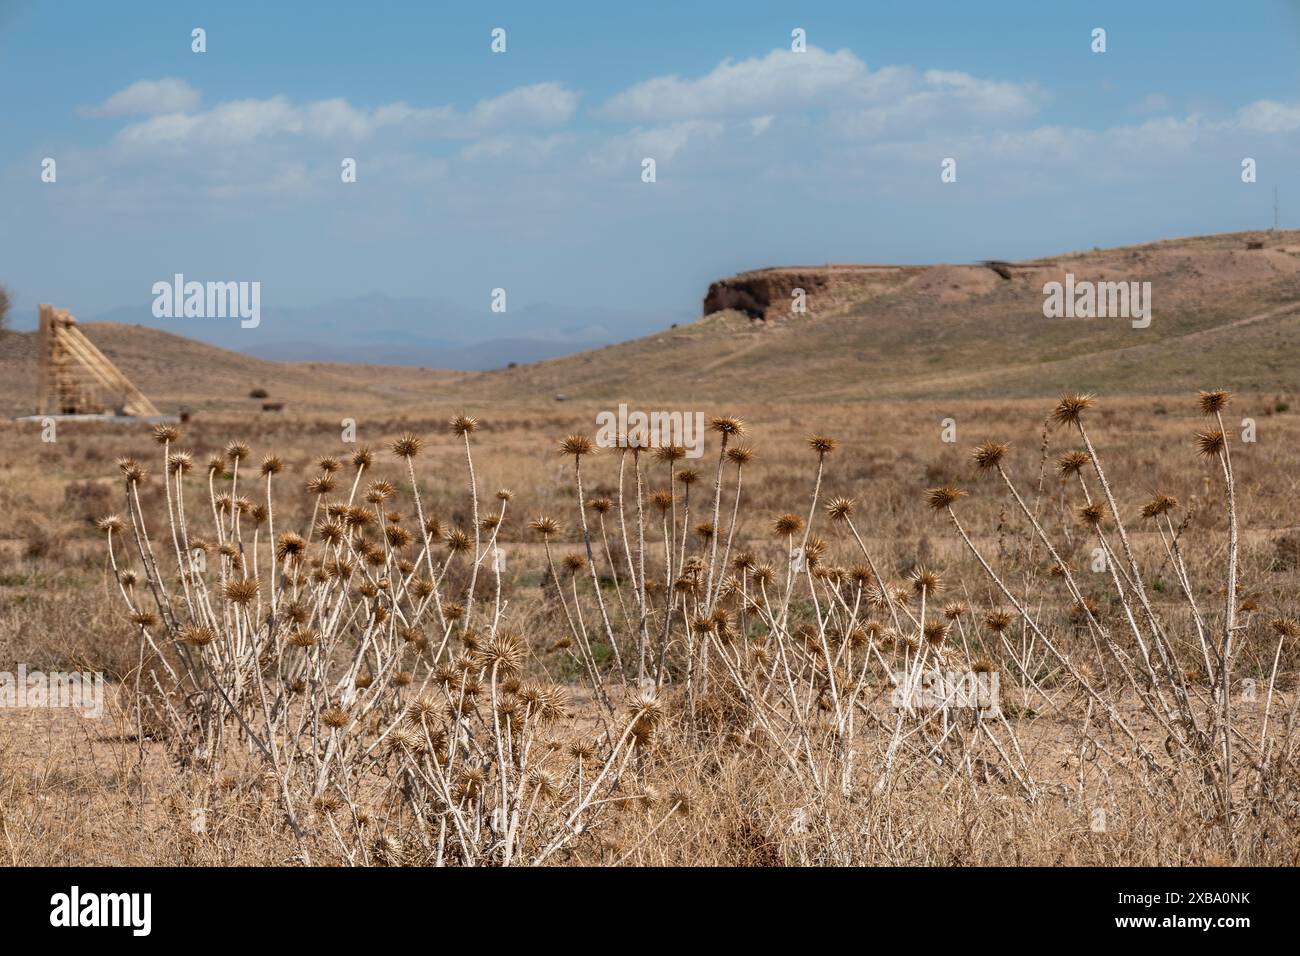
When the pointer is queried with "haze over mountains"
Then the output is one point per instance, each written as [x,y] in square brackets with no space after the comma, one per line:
[1225,312]
[385,330]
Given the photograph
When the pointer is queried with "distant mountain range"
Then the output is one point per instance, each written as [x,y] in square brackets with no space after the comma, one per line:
[384,330]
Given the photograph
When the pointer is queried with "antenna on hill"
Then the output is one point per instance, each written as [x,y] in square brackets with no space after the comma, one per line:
[1275,209]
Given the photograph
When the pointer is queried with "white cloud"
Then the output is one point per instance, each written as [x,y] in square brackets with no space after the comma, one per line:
[899,101]
[816,118]
[542,104]
[231,123]
[521,151]
[236,122]
[985,96]
[864,102]
[1269,116]
[780,80]
[660,143]
[146,97]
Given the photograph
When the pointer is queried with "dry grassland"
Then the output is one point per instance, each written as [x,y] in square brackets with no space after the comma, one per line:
[373,702]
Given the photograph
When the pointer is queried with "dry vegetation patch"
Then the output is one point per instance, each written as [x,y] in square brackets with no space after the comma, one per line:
[321,654]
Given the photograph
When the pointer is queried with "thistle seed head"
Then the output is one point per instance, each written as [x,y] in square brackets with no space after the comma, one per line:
[1210,444]
[926,580]
[1160,504]
[577,446]
[144,619]
[397,536]
[840,509]
[458,541]
[823,445]
[727,425]
[787,524]
[936,632]
[132,470]
[505,653]
[998,620]
[1284,627]
[166,434]
[198,635]
[740,455]
[301,637]
[110,524]
[1092,515]
[1072,462]
[321,484]
[334,718]
[463,425]
[1213,402]
[1070,407]
[989,454]
[241,591]
[377,492]
[944,497]
[407,446]
[289,546]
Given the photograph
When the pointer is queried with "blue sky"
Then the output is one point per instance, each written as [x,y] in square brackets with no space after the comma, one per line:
[522,170]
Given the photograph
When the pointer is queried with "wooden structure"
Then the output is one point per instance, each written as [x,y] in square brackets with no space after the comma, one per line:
[76,378]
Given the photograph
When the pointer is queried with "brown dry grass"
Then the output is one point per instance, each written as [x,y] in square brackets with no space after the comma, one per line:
[75,791]
[69,797]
